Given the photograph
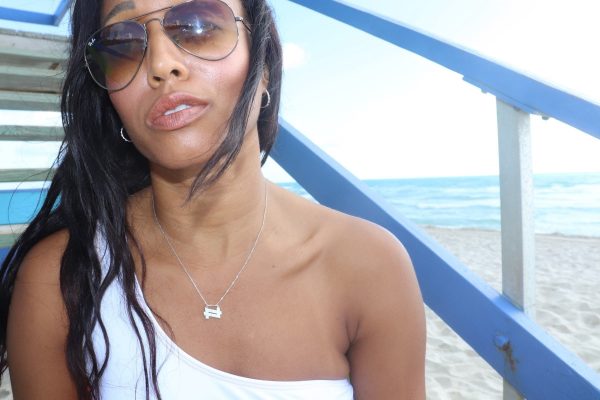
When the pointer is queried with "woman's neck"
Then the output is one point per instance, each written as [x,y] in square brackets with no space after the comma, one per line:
[221,219]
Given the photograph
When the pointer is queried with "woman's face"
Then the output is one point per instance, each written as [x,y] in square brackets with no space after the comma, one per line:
[177,107]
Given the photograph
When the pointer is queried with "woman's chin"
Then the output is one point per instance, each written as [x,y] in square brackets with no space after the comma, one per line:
[178,169]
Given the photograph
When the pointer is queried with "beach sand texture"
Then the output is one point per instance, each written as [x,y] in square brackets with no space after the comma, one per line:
[568,307]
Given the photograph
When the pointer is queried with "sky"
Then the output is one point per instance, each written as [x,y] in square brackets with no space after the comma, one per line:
[383,112]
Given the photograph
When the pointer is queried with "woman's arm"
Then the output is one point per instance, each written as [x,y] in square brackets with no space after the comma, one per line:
[37,326]
[387,354]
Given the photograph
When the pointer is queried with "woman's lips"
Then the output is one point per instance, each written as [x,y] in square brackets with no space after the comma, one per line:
[175,111]
[178,119]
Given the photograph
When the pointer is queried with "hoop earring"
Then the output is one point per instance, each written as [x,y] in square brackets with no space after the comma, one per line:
[268,99]
[124,137]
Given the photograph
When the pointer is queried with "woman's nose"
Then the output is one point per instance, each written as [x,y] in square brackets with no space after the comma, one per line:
[165,61]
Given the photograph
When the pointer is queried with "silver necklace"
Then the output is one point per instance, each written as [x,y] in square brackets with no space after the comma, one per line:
[212,310]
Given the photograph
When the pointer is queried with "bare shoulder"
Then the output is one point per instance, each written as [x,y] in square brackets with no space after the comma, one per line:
[387,352]
[42,262]
[371,261]
[372,272]
[37,325]
[362,247]
[39,274]
[353,247]
[363,256]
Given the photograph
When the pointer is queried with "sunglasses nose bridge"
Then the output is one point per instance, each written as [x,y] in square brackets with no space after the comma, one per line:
[163,56]
[162,28]
[145,24]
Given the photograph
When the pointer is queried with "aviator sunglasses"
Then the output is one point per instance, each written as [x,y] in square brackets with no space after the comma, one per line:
[206,29]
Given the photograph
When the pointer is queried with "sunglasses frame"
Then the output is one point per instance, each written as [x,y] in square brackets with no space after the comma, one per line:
[236,19]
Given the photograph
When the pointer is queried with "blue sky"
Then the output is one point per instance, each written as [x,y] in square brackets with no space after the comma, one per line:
[386,113]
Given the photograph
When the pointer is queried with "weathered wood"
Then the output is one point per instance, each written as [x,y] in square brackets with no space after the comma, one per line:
[7,240]
[517,219]
[24,79]
[25,175]
[31,133]
[19,57]
[11,229]
[516,197]
[9,233]
[39,46]
[28,101]
[509,392]
[31,70]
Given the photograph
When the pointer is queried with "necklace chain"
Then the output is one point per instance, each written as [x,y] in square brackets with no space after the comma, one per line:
[212,313]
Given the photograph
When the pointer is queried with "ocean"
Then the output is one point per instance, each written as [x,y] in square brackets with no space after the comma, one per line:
[566,204]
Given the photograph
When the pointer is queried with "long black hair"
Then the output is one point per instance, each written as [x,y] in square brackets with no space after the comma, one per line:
[97,172]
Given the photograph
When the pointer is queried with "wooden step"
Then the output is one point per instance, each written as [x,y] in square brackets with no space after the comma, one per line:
[31,133]
[28,101]
[9,233]
[25,175]
[27,79]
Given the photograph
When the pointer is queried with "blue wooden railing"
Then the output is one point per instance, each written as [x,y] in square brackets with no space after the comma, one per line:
[515,346]
[513,87]
[32,17]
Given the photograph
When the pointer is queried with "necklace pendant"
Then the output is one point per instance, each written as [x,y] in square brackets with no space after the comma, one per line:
[212,312]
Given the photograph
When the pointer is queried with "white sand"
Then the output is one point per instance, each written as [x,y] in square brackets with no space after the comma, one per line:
[568,307]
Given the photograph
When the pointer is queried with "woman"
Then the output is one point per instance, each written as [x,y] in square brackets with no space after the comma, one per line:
[163,264]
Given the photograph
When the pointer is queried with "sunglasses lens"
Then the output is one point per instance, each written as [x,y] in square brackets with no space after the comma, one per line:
[114,54]
[204,28]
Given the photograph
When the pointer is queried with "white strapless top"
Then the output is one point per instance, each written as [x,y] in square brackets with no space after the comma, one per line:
[180,376]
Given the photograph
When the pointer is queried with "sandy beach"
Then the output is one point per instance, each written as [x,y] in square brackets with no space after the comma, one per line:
[568,307]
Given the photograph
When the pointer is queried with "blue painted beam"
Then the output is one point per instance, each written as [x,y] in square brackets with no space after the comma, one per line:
[61,10]
[517,348]
[511,86]
[13,14]
[3,253]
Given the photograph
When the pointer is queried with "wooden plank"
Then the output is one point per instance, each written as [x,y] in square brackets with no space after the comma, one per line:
[31,133]
[25,175]
[3,253]
[516,199]
[24,79]
[512,86]
[28,101]
[61,10]
[27,58]
[7,240]
[31,17]
[9,233]
[12,229]
[42,45]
